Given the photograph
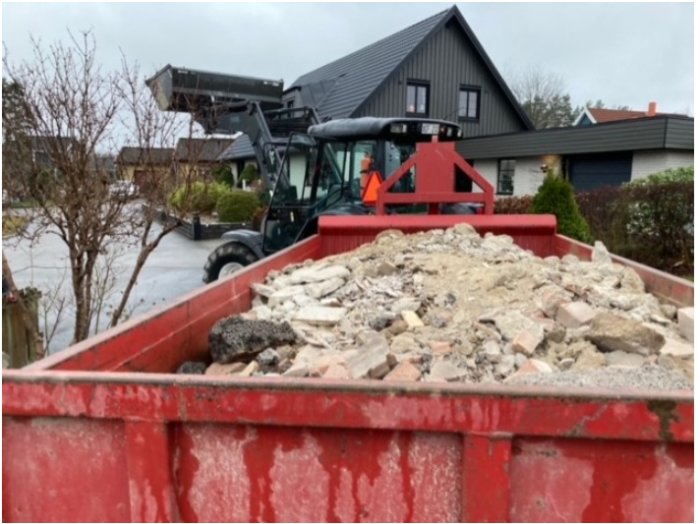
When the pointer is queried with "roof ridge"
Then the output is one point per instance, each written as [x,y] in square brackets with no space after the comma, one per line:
[436,16]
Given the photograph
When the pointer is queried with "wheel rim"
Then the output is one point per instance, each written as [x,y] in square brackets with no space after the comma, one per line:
[230,268]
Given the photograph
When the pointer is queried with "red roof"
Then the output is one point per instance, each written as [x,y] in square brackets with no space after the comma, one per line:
[612,115]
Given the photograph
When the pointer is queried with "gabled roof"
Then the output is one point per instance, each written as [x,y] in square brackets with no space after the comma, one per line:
[200,149]
[241,148]
[339,89]
[145,156]
[602,115]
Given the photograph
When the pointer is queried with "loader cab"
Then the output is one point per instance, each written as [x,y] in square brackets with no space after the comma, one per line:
[325,171]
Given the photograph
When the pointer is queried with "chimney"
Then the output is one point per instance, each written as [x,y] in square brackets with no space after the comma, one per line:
[652,109]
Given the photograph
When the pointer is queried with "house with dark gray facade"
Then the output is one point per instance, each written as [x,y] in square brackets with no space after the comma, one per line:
[589,156]
[436,68]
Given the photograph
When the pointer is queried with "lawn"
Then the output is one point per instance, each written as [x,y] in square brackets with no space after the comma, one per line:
[12,224]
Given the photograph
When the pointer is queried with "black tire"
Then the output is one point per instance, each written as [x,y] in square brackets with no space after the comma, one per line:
[231,252]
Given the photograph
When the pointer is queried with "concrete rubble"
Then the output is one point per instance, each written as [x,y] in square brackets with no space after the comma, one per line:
[451,306]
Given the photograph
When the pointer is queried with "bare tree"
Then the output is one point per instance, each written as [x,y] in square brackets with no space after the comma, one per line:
[68,112]
[152,130]
[53,305]
[72,106]
[543,98]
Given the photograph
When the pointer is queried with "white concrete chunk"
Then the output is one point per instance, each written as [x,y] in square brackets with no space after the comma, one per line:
[262,290]
[313,274]
[321,315]
[677,348]
[323,288]
[371,359]
[282,295]
[444,370]
[685,322]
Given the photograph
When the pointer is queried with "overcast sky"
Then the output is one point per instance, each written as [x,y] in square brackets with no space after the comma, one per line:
[624,54]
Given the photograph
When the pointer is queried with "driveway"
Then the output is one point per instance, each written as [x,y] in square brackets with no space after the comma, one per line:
[173,269]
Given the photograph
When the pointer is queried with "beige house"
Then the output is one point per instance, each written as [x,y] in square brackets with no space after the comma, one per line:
[143,166]
[198,158]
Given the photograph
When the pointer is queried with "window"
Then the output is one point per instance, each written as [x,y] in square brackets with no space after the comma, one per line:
[506,171]
[417,98]
[42,159]
[469,98]
[290,104]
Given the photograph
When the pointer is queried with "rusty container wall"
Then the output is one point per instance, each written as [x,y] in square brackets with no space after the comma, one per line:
[99,433]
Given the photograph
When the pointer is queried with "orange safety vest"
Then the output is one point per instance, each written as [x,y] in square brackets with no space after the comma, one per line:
[369,192]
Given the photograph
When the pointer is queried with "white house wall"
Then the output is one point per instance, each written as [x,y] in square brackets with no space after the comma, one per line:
[645,163]
[487,169]
[527,178]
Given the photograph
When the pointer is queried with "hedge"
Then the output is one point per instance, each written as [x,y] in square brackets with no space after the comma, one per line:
[197,197]
[651,223]
[237,206]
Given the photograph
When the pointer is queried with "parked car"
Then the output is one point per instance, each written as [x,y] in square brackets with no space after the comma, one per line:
[123,189]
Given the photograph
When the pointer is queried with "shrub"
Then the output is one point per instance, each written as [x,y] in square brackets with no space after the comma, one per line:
[514,205]
[197,197]
[556,196]
[679,174]
[651,223]
[237,206]
[661,222]
[223,175]
[249,174]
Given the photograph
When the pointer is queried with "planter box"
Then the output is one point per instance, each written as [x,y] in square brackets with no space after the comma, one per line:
[195,230]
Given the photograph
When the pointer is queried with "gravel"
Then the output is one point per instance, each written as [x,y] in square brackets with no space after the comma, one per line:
[646,377]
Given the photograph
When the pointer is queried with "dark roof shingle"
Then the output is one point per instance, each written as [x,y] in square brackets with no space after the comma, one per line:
[201,149]
[145,156]
[338,88]
[240,149]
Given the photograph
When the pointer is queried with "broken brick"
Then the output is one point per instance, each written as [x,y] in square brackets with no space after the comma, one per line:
[404,371]
[526,342]
[575,314]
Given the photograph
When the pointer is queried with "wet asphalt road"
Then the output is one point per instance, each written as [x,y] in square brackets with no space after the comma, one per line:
[173,269]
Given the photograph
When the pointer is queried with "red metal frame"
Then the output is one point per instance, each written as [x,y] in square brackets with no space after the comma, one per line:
[116,444]
[187,445]
[434,164]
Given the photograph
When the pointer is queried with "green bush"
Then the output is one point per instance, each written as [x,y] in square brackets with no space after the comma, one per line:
[250,174]
[679,174]
[198,197]
[556,196]
[237,206]
[223,175]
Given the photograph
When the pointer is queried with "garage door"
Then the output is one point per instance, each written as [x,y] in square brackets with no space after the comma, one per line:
[591,172]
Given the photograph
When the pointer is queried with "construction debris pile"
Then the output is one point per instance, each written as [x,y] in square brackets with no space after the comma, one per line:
[449,305]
